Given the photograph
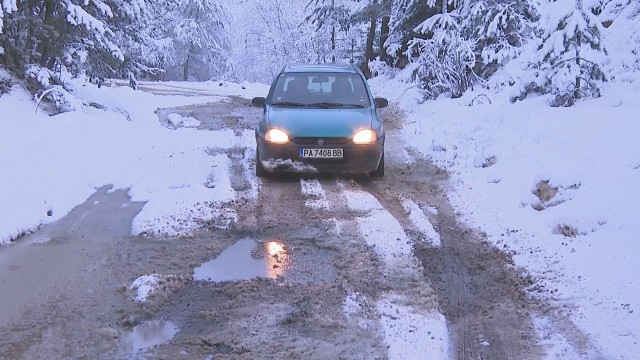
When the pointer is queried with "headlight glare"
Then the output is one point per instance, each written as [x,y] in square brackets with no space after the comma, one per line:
[276,136]
[367,136]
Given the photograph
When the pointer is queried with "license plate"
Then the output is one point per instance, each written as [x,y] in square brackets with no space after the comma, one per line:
[321,153]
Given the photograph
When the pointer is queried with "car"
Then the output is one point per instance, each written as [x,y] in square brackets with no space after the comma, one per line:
[320,118]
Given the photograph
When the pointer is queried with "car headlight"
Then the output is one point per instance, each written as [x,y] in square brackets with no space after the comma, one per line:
[367,136]
[276,136]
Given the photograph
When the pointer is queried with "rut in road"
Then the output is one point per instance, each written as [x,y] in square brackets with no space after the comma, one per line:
[332,289]
[479,290]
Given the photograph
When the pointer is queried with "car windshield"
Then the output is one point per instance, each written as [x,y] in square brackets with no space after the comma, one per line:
[323,90]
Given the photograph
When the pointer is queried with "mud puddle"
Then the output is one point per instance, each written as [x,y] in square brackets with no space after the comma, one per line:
[249,259]
[227,113]
[147,335]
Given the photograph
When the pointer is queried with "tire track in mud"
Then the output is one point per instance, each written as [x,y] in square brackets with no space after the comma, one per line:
[299,313]
[329,293]
[281,211]
[480,292]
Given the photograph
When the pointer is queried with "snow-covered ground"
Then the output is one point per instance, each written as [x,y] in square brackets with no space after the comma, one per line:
[583,243]
[51,164]
[498,154]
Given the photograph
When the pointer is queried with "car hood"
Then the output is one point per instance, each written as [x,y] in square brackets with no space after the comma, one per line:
[314,122]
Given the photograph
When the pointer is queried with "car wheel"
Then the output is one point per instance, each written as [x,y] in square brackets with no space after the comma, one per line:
[379,172]
[260,171]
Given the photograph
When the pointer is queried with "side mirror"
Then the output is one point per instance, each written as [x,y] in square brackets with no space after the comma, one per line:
[258,102]
[381,102]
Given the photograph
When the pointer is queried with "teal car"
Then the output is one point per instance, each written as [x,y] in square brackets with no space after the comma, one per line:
[320,118]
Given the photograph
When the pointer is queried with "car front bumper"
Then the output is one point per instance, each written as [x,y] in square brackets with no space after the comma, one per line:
[357,159]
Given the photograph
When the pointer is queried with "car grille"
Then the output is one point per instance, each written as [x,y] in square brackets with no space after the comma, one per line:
[314,140]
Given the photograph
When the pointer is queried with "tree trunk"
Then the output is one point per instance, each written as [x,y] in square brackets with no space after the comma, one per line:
[368,52]
[384,35]
[333,34]
[576,92]
[46,33]
[186,68]
[333,43]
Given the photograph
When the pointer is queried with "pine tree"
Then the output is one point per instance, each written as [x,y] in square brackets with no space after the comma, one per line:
[7,6]
[143,33]
[268,35]
[329,17]
[499,29]
[444,60]
[569,61]
[201,34]
[608,10]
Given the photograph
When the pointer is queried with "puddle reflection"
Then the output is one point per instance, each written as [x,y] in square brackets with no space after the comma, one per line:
[277,259]
[273,259]
[237,262]
[148,335]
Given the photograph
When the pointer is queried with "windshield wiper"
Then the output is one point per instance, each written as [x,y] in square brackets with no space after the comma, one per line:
[289,103]
[332,104]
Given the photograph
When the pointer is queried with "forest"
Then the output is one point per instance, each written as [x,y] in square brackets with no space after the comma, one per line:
[559,47]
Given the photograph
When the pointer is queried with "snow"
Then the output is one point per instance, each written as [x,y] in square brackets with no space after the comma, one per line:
[144,286]
[409,330]
[498,155]
[315,195]
[70,155]
[420,221]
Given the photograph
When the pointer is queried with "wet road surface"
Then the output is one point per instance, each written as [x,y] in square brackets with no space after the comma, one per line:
[313,268]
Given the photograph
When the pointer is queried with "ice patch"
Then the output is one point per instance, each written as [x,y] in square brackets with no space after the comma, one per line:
[413,335]
[315,195]
[351,304]
[361,201]
[144,286]
[420,221]
[411,325]
[190,122]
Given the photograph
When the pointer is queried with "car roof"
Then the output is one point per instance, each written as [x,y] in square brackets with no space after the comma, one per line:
[332,67]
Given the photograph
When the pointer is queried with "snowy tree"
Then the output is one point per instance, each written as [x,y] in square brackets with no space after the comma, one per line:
[445,60]
[143,32]
[66,32]
[329,17]
[607,10]
[405,16]
[623,38]
[200,32]
[269,34]
[6,6]
[499,28]
[570,59]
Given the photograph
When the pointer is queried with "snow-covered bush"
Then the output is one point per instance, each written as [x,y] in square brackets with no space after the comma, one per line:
[5,86]
[443,67]
[52,87]
[379,67]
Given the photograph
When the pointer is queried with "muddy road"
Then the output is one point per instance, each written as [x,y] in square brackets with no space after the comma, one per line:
[312,268]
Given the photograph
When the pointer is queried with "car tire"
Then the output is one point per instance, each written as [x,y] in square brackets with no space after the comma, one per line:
[379,172]
[260,171]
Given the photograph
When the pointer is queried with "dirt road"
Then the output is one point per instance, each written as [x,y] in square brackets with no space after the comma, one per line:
[313,268]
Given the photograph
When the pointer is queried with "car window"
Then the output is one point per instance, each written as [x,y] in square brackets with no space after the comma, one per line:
[320,89]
